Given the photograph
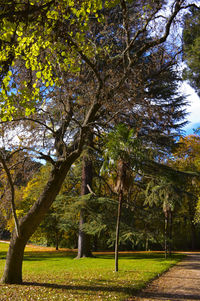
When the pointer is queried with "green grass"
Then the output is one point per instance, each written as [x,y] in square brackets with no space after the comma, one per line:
[58,276]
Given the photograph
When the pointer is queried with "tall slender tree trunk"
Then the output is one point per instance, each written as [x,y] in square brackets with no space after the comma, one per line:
[170,233]
[120,186]
[29,223]
[192,226]
[146,244]
[193,236]
[84,244]
[57,239]
[118,229]
[166,233]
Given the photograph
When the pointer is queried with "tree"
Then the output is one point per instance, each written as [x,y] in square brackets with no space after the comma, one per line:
[63,81]
[122,152]
[164,192]
[84,245]
[191,43]
[12,190]
[186,158]
[24,200]
[16,169]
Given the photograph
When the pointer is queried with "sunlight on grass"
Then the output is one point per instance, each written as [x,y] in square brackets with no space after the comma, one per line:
[54,275]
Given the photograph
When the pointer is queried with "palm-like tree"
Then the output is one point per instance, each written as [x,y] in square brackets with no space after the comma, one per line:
[161,191]
[121,154]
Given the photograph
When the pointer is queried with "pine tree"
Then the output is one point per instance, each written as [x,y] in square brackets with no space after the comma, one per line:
[191,44]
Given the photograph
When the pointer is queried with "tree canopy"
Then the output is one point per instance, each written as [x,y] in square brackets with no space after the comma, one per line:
[71,68]
[191,40]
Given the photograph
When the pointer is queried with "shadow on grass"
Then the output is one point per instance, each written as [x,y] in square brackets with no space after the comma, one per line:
[42,256]
[97,288]
[47,257]
[3,255]
[159,256]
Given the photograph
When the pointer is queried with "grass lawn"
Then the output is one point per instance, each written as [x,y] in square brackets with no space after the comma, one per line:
[56,275]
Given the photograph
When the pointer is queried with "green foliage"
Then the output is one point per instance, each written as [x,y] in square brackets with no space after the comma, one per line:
[191,39]
[121,144]
[32,41]
[162,192]
[186,158]
[32,190]
[197,213]
[98,210]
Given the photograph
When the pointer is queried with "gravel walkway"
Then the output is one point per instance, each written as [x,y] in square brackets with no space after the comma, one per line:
[182,282]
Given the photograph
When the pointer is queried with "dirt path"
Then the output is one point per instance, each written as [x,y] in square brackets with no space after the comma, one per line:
[182,282]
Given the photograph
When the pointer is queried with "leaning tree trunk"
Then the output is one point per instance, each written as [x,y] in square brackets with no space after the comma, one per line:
[29,223]
[84,245]
[117,229]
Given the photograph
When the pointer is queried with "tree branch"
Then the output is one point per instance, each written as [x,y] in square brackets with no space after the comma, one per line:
[12,189]
[85,58]
[147,45]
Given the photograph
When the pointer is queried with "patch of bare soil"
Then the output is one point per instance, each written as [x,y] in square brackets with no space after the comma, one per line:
[181,282]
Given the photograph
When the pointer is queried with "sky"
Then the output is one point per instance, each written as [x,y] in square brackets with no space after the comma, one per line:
[193,108]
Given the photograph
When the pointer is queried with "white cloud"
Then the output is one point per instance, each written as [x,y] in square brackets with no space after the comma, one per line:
[193,108]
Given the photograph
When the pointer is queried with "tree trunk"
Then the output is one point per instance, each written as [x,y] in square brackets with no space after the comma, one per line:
[57,240]
[117,229]
[193,236]
[170,233]
[13,267]
[95,243]
[147,244]
[84,245]
[166,236]
[192,226]
[29,223]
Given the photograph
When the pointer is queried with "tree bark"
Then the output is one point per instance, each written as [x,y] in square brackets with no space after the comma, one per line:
[166,236]
[28,224]
[117,229]
[57,240]
[146,244]
[193,236]
[170,233]
[84,245]
[192,226]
